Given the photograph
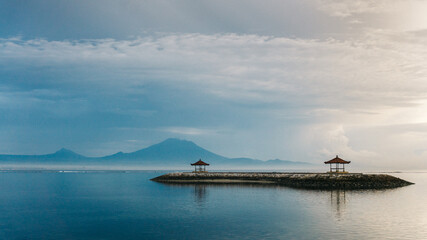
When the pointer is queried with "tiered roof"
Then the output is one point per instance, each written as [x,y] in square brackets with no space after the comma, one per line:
[337,160]
[200,163]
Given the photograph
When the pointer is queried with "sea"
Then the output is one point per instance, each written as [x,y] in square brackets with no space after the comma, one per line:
[127,205]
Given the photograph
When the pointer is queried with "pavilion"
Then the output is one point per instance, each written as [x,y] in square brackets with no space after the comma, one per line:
[339,165]
[200,166]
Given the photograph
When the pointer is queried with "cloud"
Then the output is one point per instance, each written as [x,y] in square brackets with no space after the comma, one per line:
[349,8]
[331,139]
[244,67]
[398,15]
[188,131]
[189,84]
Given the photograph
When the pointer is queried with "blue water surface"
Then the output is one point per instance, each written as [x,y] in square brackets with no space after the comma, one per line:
[127,205]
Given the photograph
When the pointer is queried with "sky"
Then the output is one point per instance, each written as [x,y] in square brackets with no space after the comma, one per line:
[300,80]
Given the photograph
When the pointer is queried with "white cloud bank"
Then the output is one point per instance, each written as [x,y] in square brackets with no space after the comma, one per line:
[383,69]
[402,15]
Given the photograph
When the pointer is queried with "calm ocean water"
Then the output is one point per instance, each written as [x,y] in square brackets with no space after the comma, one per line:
[119,205]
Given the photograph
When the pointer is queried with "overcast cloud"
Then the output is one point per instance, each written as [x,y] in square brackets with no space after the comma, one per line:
[296,80]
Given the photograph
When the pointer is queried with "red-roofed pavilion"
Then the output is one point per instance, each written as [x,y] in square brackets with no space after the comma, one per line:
[338,162]
[200,166]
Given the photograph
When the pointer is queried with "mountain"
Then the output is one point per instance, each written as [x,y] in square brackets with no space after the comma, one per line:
[58,156]
[170,153]
[64,153]
[170,150]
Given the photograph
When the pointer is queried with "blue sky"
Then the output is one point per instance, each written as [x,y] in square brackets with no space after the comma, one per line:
[296,80]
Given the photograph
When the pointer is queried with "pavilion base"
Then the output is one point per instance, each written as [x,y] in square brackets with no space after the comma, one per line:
[200,171]
[330,172]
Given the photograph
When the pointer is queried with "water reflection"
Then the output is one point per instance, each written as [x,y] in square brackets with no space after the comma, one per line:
[201,190]
[335,200]
[200,194]
[338,202]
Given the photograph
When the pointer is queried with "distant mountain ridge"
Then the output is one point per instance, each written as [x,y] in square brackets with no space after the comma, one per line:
[171,149]
[171,152]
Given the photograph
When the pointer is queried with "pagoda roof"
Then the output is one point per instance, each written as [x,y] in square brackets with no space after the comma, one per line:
[200,162]
[337,160]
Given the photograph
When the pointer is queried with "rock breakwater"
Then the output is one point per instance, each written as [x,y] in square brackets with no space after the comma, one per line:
[347,181]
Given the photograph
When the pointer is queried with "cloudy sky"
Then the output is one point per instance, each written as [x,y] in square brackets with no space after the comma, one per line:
[301,80]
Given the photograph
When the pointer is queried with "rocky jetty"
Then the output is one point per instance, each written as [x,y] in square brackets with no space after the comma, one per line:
[327,181]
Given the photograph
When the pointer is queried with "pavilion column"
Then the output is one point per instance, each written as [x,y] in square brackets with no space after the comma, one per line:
[200,166]
[339,165]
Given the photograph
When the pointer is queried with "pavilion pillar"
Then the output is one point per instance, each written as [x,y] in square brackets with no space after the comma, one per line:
[199,166]
[339,165]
